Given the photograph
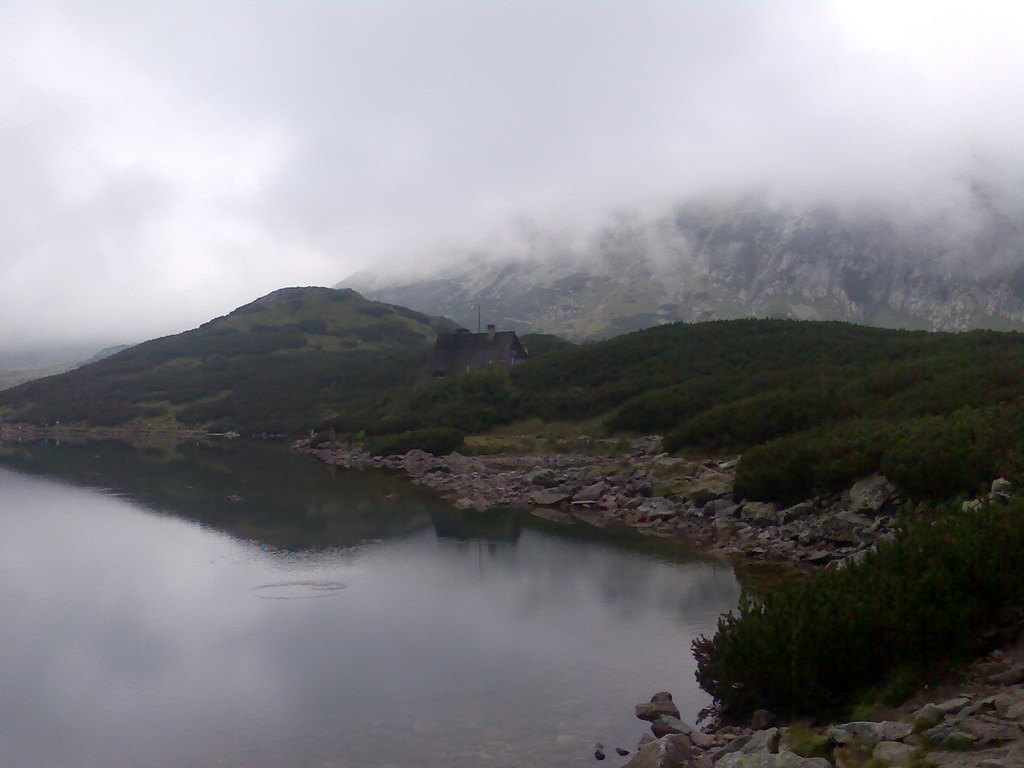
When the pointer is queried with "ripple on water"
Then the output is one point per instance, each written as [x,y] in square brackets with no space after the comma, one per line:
[311,589]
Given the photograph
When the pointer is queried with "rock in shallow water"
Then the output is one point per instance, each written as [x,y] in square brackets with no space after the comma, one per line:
[660,705]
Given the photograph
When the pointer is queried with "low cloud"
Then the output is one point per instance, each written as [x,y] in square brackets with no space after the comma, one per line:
[166,162]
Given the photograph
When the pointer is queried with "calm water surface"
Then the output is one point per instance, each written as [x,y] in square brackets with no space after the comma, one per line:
[242,606]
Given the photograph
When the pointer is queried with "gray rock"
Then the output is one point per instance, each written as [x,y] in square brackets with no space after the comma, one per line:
[973,505]
[767,760]
[548,498]
[763,741]
[928,716]
[1011,676]
[761,719]
[645,739]
[736,744]
[716,506]
[871,731]
[1016,711]
[545,478]
[989,730]
[797,511]
[759,513]
[727,512]
[672,751]
[950,706]
[869,494]
[660,705]
[667,724]
[1002,488]
[950,738]
[894,754]
[591,492]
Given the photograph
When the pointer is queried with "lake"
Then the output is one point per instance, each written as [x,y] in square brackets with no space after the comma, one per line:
[239,605]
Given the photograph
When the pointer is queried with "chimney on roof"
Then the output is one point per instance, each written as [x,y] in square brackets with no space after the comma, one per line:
[490,332]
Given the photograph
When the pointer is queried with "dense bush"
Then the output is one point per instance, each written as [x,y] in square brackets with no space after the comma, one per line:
[932,457]
[826,459]
[940,457]
[814,644]
[439,440]
[735,425]
[470,402]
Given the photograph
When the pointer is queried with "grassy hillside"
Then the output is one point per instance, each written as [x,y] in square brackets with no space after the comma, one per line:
[812,405]
[280,364]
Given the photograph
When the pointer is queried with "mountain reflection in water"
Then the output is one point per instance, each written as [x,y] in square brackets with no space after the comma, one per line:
[242,606]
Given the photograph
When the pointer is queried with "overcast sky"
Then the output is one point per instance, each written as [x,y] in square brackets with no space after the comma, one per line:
[165,162]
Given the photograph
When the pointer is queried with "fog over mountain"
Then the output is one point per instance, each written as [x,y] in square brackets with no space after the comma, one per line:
[709,259]
[166,162]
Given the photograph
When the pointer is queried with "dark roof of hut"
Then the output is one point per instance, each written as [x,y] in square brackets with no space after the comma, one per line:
[463,351]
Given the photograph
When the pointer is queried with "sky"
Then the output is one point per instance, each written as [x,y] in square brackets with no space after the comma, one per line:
[165,162]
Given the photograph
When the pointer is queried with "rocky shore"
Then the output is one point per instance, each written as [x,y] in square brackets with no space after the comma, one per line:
[977,723]
[654,494]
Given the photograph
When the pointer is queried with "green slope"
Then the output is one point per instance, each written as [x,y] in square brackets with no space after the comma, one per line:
[279,364]
[812,405]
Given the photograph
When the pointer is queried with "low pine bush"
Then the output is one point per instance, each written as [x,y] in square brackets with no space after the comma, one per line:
[926,598]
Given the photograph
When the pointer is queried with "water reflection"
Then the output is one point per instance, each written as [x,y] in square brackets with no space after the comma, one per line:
[135,637]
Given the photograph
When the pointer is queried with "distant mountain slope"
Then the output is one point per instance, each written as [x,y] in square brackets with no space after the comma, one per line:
[704,261]
[35,363]
[282,363]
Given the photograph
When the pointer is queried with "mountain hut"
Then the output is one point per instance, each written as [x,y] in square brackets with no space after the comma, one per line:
[463,351]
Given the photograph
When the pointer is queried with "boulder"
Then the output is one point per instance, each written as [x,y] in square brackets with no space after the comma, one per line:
[1011,676]
[797,512]
[872,731]
[667,724]
[895,754]
[976,730]
[766,740]
[660,705]
[927,716]
[869,494]
[768,760]
[671,751]
[591,492]
[548,498]
[721,507]
[759,513]
[950,706]
[1002,489]
[545,478]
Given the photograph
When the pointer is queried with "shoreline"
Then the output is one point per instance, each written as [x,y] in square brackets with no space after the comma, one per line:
[651,493]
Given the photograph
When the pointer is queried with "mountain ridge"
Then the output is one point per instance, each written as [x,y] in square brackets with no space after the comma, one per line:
[707,261]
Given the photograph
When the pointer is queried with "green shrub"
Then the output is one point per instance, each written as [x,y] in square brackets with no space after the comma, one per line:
[438,440]
[940,457]
[752,420]
[810,647]
[827,459]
